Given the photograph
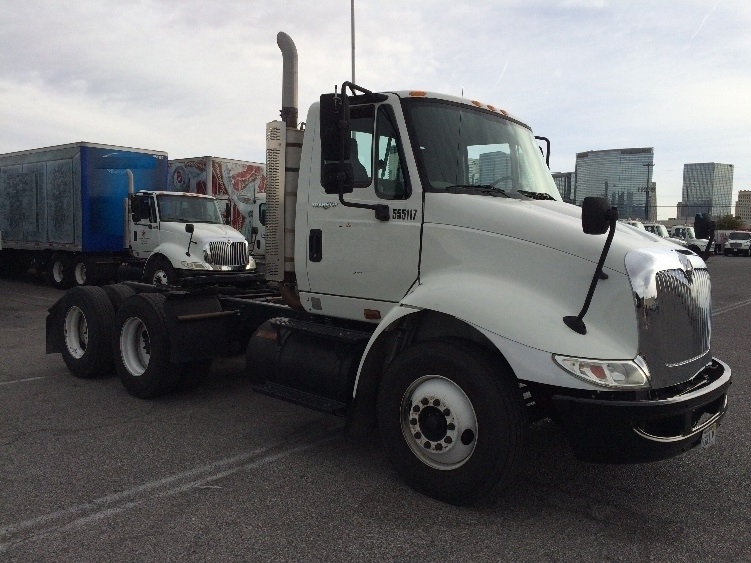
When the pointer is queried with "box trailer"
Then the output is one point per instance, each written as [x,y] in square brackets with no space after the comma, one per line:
[79,211]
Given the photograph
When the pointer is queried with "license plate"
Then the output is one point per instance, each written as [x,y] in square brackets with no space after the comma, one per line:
[709,436]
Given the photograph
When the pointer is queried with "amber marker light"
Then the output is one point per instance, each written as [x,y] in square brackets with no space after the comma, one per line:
[418,93]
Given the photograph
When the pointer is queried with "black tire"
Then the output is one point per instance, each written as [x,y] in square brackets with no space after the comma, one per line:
[118,293]
[452,421]
[159,271]
[141,347]
[726,252]
[85,326]
[60,271]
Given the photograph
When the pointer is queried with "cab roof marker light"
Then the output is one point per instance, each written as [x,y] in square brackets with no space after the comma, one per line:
[476,103]
[616,374]
[418,93]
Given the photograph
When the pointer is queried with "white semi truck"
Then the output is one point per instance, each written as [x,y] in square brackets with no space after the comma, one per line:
[437,293]
[79,211]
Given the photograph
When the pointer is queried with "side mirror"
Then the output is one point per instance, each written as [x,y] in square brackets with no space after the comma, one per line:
[254,231]
[227,213]
[332,172]
[702,224]
[335,135]
[597,215]
[189,228]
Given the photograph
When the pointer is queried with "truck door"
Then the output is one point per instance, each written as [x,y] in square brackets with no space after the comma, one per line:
[350,252]
[144,226]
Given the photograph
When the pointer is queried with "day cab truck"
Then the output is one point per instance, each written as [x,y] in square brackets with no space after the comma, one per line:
[438,309]
[79,211]
[239,187]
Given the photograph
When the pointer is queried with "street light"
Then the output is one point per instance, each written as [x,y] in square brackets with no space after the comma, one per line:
[649,165]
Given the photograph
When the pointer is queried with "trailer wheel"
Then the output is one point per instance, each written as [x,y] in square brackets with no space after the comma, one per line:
[118,293]
[86,327]
[159,271]
[452,421]
[60,272]
[142,347]
[82,272]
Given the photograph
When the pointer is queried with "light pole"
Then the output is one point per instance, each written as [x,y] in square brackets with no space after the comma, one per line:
[649,165]
[352,6]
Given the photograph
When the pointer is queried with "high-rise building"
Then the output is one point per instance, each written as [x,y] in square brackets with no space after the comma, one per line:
[743,206]
[621,176]
[564,181]
[707,188]
[494,165]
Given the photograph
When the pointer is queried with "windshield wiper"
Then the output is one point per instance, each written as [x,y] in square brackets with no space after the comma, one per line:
[486,189]
[536,195]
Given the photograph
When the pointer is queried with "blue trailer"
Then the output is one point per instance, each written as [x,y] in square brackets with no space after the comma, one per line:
[63,209]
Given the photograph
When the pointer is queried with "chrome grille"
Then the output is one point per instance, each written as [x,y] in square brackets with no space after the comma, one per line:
[672,295]
[225,253]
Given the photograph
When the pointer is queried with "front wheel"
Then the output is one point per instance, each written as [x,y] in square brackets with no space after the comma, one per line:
[452,420]
[159,271]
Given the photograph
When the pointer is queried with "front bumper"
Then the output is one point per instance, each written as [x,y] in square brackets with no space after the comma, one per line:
[610,429]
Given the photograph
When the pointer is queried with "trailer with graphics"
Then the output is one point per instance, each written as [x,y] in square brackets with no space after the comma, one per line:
[79,211]
[439,310]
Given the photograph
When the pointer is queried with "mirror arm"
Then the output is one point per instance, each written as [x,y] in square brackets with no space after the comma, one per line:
[577,323]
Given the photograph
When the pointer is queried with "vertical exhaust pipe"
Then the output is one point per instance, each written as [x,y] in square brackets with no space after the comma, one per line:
[289,79]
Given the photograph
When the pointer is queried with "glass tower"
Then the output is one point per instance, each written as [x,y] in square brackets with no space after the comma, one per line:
[621,176]
[707,188]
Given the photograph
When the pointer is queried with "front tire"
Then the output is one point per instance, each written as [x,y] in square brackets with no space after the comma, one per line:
[86,328]
[452,420]
[141,346]
[159,271]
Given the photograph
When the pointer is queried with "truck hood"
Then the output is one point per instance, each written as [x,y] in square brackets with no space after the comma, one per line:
[204,231]
[552,224]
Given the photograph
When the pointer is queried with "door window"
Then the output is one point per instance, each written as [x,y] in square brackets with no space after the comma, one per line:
[390,180]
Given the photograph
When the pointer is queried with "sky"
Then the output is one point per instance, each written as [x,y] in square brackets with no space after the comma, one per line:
[201,78]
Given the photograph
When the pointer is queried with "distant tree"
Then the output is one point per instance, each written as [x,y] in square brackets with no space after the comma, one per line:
[728,223]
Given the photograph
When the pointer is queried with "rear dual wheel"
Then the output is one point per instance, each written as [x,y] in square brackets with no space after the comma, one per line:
[86,321]
[142,350]
[452,420]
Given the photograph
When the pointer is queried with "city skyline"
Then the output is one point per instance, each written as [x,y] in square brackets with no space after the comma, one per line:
[204,78]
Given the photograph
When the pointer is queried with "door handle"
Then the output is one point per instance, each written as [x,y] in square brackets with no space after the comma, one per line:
[315,245]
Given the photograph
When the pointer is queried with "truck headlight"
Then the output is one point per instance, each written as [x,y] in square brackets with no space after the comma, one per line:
[607,373]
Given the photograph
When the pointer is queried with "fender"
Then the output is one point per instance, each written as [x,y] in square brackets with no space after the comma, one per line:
[176,254]
[524,322]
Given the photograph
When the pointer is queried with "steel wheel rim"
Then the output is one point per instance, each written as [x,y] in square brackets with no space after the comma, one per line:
[76,332]
[80,273]
[135,346]
[58,271]
[438,422]
[160,278]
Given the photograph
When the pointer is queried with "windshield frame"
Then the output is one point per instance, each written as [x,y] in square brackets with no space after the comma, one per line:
[529,176]
[213,217]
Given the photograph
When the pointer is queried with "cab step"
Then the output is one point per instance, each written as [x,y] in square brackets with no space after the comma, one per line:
[301,398]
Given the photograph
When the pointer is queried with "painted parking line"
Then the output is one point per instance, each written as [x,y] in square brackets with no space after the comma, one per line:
[731,307]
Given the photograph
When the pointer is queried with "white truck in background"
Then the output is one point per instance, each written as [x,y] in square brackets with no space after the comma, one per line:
[79,211]
[687,234]
[438,310]
[239,186]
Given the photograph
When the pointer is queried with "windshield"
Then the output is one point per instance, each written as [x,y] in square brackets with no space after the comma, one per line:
[739,236]
[661,231]
[462,149]
[188,209]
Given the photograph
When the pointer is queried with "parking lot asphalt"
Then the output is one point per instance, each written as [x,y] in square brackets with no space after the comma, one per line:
[220,473]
